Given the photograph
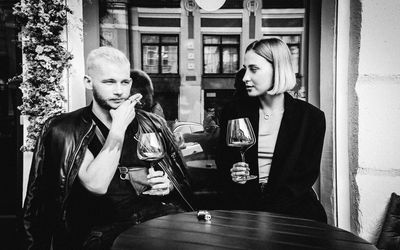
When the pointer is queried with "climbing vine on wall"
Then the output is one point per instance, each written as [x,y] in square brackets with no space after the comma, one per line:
[42,23]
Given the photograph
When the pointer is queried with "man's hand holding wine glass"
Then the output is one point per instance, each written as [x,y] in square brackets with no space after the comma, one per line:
[151,148]
[159,182]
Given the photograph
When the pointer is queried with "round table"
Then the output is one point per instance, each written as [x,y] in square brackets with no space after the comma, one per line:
[237,230]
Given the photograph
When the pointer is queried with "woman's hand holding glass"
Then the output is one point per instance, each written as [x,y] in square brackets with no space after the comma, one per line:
[240,134]
[240,172]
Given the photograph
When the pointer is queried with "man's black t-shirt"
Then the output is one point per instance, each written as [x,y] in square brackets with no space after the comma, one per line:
[119,202]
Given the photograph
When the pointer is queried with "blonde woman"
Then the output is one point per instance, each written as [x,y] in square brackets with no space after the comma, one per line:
[289,134]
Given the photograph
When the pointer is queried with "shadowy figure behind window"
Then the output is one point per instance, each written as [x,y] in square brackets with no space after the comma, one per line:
[141,83]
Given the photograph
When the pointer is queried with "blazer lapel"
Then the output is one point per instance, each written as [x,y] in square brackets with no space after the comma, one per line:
[288,130]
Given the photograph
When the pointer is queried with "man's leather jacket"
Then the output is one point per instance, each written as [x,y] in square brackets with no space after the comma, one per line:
[56,160]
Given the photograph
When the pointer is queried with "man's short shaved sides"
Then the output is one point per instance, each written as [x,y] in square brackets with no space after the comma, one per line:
[105,53]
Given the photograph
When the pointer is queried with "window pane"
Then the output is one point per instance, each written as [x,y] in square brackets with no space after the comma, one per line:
[230,60]
[230,40]
[295,51]
[272,36]
[150,39]
[211,59]
[169,55]
[150,59]
[169,39]
[211,39]
[291,39]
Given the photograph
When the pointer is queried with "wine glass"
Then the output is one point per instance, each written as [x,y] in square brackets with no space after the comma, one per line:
[150,147]
[240,134]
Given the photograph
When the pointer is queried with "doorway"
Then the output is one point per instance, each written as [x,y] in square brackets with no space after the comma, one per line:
[10,128]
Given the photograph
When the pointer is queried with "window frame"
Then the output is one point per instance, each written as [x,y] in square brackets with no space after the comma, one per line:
[220,46]
[159,45]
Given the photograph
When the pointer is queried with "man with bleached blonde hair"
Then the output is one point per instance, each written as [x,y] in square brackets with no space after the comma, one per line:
[87,184]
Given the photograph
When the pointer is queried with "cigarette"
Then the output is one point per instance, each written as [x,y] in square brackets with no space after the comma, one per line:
[137,100]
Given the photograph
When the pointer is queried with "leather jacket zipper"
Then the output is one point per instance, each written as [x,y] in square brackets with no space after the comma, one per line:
[72,163]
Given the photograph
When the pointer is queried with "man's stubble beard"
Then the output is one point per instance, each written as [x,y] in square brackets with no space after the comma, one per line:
[100,101]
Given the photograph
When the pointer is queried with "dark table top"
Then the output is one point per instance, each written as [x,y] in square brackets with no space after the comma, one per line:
[237,230]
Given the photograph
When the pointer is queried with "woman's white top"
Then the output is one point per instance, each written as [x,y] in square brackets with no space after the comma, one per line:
[268,129]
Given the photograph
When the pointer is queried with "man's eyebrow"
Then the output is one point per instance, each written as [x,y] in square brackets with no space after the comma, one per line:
[108,80]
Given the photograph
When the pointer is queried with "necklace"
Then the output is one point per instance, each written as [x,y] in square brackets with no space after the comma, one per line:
[266,116]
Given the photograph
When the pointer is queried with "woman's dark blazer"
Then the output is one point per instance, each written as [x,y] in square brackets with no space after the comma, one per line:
[295,164]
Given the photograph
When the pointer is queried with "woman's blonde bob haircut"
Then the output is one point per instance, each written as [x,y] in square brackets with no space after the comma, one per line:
[276,52]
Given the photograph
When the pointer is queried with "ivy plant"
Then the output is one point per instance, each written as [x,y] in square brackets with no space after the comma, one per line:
[45,59]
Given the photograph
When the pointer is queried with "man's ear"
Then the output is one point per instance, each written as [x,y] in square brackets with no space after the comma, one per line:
[88,82]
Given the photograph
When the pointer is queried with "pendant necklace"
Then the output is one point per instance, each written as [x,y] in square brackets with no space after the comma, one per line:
[266,115]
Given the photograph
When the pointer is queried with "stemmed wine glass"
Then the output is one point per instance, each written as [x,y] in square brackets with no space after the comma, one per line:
[240,134]
[150,148]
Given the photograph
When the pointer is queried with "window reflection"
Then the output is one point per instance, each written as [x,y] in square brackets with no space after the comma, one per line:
[169,55]
[211,59]
[160,54]
[229,60]
[221,54]
[150,59]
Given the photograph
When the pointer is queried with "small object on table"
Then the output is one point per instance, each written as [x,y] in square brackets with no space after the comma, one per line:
[203,215]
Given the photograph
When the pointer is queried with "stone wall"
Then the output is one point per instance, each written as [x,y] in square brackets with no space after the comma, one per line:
[374,112]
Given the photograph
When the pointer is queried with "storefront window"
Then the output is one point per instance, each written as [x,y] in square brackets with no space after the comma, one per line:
[221,54]
[160,54]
